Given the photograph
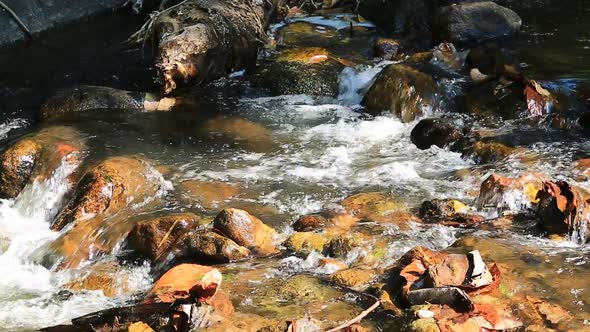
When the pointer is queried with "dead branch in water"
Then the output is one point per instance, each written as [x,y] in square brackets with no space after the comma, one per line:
[357,318]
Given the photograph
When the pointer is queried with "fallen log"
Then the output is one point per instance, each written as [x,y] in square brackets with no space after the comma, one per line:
[202,40]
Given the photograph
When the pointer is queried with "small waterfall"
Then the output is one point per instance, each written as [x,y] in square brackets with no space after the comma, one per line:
[578,227]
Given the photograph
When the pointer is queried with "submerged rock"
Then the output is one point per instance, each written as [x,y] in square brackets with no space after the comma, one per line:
[109,187]
[377,206]
[472,23]
[246,134]
[405,91]
[101,277]
[208,194]
[152,238]
[247,230]
[87,97]
[440,132]
[312,71]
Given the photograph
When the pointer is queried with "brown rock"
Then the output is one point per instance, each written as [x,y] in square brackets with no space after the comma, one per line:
[245,133]
[208,246]
[310,222]
[375,206]
[246,230]
[108,188]
[386,48]
[139,327]
[494,188]
[404,91]
[184,281]
[356,278]
[152,238]
[17,164]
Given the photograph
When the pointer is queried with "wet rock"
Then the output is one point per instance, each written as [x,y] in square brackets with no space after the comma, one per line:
[509,193]
[355,278]
[242,132]
[153,238]
[331,264]
[185,281]
[446,56]
[312,71]
[403,90]
[492,60]
[310,222]
[298,288]
[17,164]
[36,157]
[343,246]
[399,17]
[208,194]
[304,243]
[490,152]
[87,97]
[246,230]
[202,247]
[376,206]
[563,210]
[304,34]
[387,48]
[449,212]
[472,23]
[419,58]
[101,277]
[440,132]
[109,187]
[139,327]
[496,100]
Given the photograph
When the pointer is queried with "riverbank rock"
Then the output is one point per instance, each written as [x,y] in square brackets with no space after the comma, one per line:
[440,132]
[152,238]
[88,97]
[308,70]
[109,187]
[403,90]
[207,194]
[563,210]
[473,23]
[246,230]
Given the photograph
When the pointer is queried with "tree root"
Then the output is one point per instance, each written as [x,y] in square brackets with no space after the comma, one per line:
[17,19]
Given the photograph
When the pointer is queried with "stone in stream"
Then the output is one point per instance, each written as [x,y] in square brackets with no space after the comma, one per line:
[152,238]
[207,194]
[355,278]
[473,23]
[435,131]
[563,209]
[88,97]
[402,90]
[310,222]
[247,230]
[103,277]
[503,193]
[449,212]
[378,207]
[402,18]
[303,243]
[36,156]
[387,48]
[307,70]
[109,187]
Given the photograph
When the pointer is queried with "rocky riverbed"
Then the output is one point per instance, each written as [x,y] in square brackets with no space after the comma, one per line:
[372,166]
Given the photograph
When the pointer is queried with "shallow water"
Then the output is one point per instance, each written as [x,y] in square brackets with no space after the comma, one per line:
[309,154]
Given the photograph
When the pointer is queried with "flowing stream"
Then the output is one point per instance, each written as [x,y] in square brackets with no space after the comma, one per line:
[310,154]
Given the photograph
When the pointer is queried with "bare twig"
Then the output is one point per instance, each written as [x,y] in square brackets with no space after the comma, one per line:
[167,233]
[357,318]
[20,23]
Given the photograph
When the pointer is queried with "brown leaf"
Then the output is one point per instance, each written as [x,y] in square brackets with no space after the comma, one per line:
[535,101]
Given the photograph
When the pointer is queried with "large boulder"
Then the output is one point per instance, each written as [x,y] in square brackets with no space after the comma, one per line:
[403,90]
[309,70]
[109,187]
[472,23]
[440,132]
[247,230]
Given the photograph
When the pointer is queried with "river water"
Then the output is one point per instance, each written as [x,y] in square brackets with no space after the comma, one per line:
[309,154]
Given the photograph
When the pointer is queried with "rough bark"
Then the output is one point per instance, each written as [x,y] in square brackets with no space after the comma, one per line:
[201,40]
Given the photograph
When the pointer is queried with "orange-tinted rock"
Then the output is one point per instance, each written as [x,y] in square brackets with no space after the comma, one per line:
[246,230]
[151,238]
[205,247]
[17,164]
[356,278]
[207,194]
[185,281]
[103,277]
[309,223]
[379,207]
[245,133]
[494,188]
[139,327]
[108,188]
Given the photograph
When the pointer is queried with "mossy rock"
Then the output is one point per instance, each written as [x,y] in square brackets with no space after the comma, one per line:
[403,90]
[304,243]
